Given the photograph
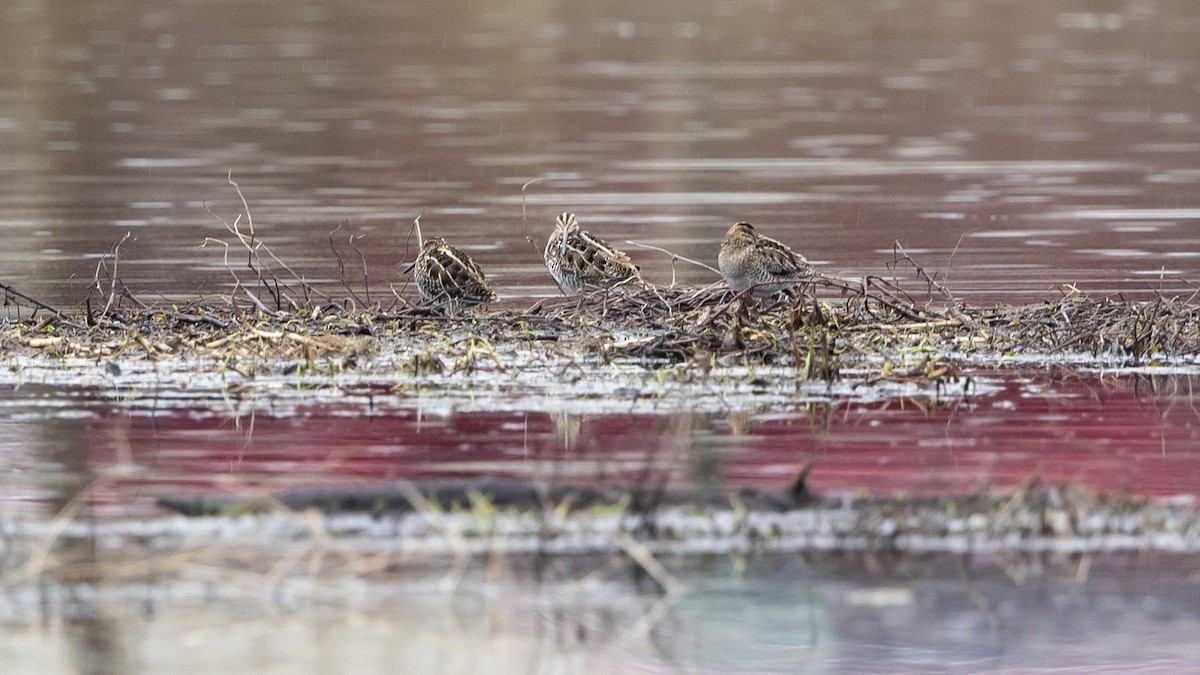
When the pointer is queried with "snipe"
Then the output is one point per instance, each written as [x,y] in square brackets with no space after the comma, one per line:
[748,259]
[447,276]
[579,261]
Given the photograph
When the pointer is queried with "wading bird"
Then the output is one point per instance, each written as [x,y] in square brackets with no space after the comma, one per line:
[749,259]
[579,261]
[447,276]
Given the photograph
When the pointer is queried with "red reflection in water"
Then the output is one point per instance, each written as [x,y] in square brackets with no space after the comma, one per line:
[1103,435]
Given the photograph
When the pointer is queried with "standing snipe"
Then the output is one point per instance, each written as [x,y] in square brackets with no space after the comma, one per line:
[750,259]
[447,276]
[579,261]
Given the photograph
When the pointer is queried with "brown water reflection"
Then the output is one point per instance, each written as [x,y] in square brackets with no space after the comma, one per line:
[1058,142]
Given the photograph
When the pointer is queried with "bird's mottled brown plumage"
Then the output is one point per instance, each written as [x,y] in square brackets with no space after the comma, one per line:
[447,276]
[579,261]
[750,259]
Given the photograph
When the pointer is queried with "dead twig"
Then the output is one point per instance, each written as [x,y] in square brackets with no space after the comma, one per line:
[342,266]
[363,259]
[281,293]
[114,277]
[525,217]
[899,254]
[10,292]
[674,256]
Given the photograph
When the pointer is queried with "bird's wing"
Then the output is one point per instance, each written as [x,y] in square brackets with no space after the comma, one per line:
[613,263]
[458,271]
[781,261]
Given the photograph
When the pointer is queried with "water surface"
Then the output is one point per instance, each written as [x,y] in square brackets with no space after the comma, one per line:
[1136,434]
[1011,148]
[765,614]
[1015,149]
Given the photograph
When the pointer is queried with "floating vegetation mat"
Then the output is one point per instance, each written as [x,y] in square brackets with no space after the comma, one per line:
[822,328]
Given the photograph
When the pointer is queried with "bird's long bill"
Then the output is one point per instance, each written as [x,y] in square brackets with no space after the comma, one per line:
[564,223]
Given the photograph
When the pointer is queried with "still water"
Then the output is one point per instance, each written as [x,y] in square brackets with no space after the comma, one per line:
[1012,147]
[1041,145]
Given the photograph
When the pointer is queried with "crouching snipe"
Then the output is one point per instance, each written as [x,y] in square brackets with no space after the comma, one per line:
[748,259]
[579,261]
[448,277]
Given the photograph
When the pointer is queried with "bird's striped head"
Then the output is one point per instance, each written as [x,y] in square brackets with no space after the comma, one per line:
[566,220]
[567,225]
[741,232]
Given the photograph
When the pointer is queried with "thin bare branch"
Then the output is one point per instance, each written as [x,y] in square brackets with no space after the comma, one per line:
[933,284]
[363,258]
[525,217]
[950,260]
[340,263]
[674,256]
